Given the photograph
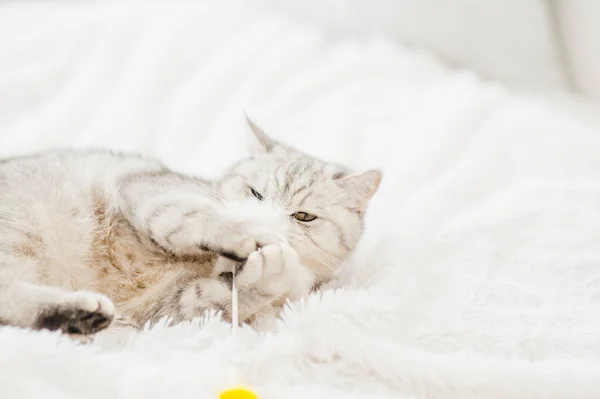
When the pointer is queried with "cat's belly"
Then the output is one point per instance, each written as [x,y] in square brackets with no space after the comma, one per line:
[133,275]
[138,280]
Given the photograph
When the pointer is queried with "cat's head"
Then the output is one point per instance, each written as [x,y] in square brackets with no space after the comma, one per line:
[317,206]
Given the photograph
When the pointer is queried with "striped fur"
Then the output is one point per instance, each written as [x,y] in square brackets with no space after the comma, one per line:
[87,238]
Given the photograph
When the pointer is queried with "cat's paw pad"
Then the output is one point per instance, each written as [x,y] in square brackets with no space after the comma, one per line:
[79,313]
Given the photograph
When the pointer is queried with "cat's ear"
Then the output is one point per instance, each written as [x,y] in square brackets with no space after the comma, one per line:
[260,143]
[360,186]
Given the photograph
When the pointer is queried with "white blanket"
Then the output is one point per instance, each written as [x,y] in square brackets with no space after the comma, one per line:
[479,273]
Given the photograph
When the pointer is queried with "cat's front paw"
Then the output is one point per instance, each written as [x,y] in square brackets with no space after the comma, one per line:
[238,242]
[78,313]
[276,271]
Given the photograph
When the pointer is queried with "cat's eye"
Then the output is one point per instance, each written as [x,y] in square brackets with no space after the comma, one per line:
[256,194]
[304,216]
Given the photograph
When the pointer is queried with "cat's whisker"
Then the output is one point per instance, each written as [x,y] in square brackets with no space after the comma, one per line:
[333,260]
[334,268]
[329,255]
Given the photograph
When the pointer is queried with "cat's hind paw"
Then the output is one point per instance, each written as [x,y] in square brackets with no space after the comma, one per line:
[78,313]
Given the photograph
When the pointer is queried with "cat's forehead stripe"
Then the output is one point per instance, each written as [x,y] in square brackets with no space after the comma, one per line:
[301,202]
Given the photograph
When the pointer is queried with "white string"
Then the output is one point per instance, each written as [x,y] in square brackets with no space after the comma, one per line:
[234,306]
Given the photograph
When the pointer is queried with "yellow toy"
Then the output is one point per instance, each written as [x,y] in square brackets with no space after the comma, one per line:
[238,393]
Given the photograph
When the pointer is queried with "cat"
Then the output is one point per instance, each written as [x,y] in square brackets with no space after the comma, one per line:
[92,238]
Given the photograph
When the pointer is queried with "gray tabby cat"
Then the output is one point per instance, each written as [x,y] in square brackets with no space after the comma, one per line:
[87,238]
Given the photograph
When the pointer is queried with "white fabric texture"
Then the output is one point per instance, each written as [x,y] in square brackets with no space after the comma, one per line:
[512,41]
[479,273]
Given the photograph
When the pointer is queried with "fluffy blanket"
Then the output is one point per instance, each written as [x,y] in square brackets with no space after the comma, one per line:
[479,273]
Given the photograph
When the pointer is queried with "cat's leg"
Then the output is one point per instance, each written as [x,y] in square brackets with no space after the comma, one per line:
[43,307]
[31,305]
[179,215]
